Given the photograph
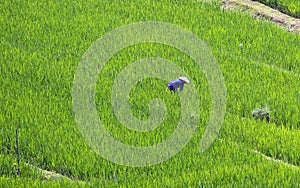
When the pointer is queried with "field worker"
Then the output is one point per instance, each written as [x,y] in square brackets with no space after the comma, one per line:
[179,83]
[261,114]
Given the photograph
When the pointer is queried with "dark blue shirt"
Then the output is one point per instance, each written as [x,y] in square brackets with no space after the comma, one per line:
[177,84]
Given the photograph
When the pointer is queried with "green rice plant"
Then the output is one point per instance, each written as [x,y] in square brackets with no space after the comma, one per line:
[42,43]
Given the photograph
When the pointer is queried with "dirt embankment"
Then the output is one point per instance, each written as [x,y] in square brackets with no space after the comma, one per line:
[262,11]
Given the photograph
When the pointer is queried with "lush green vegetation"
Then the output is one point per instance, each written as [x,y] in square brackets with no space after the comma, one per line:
[290,7]
[42,43]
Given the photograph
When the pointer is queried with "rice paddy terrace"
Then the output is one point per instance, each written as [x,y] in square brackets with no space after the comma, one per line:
[44,43]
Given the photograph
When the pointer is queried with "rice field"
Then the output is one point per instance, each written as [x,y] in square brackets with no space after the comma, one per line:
[42,44]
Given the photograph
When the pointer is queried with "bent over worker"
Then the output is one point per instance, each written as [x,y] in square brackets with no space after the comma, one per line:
[178,84]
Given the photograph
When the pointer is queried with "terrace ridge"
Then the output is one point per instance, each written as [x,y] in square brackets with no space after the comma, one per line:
[259,10]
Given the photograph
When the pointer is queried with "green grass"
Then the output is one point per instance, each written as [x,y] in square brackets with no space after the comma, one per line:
[42,43]
[290,7]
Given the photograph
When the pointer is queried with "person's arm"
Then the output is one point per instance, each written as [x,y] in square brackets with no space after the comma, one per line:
[181,86]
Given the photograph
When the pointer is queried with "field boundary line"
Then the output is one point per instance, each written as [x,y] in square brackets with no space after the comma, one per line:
[275,160]
[275,67]
[49,175]
[264,156]
[270,66]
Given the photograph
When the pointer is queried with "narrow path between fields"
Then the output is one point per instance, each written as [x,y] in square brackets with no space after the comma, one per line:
[275,160]
[49,175]
[264,156]
[276,68]
[260,10]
